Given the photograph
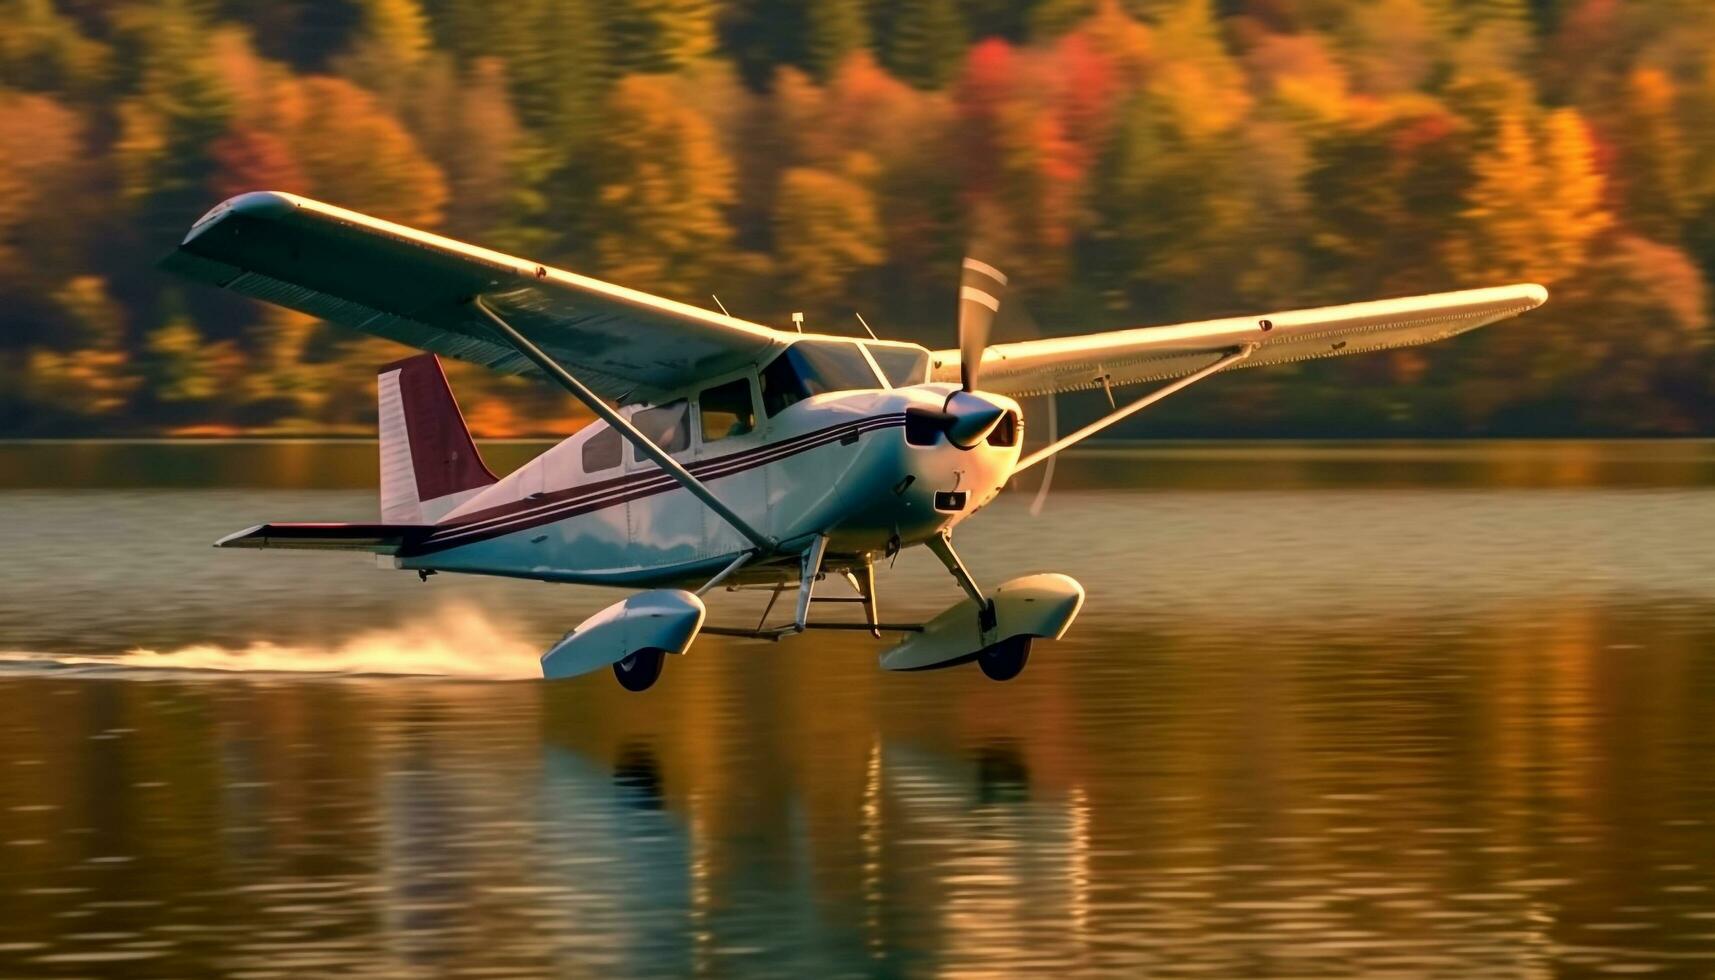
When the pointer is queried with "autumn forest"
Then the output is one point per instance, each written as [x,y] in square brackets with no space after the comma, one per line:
[1128,161]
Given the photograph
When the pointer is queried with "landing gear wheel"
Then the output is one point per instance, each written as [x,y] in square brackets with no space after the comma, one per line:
[640,670]
[1006,659]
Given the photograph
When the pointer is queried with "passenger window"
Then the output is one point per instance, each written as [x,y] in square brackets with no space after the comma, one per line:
[667,426]
[601,451]
[727,410]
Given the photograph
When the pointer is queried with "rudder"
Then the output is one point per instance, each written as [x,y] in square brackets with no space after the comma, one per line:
[429,464]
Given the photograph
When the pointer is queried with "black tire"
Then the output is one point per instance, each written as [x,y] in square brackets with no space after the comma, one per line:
[1006,659]
[640,670]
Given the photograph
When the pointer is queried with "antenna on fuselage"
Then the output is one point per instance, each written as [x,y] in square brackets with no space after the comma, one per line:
[865,323]
[719,304]
[798,321]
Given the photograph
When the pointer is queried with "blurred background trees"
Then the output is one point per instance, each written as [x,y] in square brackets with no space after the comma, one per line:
[1128,161]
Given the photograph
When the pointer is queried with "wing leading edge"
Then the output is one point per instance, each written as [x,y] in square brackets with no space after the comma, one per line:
[1120,357]
[414,287]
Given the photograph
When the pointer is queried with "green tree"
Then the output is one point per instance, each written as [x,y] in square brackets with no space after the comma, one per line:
[168,129]
[837,29]
[556,59]
[927,41]
[195,379]
[659,35]
[1416,175]
[1477,14]
[41,49]
[87,372]
[391,47]
[1171,213]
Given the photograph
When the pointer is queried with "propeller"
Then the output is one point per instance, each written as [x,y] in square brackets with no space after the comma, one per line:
[967,417]
[1041,499]
[980,290]
[1023,324]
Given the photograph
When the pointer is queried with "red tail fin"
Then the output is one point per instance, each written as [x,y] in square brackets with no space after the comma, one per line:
[429,465]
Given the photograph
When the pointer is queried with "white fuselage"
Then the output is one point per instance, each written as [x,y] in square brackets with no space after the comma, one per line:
[838,463]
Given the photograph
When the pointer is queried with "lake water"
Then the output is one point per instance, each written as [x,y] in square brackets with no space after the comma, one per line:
[1330,710]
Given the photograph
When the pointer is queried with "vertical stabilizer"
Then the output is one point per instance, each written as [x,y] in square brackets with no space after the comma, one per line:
[429,465]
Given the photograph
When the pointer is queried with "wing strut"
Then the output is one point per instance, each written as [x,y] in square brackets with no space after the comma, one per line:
[605,412]
[1226,361]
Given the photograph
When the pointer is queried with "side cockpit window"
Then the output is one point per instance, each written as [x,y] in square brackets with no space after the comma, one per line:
[727,410]
[813,367]
[667,426]
[601,451]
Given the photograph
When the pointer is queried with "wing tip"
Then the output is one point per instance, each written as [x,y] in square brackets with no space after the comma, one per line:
[1534,293]
[254,204]
[240,539]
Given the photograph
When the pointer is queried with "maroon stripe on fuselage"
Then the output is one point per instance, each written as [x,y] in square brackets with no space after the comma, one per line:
[521,515]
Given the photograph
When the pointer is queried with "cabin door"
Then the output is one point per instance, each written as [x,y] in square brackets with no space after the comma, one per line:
[729,454]
[665,521]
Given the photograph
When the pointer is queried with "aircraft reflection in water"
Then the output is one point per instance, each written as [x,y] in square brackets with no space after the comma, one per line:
[726,452]
[678,903]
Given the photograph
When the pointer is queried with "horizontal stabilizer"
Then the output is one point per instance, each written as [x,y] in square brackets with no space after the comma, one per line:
[382,539]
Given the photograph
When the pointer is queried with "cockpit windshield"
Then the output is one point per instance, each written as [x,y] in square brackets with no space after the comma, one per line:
[812,367]
[902,365]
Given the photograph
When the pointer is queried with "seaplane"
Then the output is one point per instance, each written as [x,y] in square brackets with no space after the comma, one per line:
[725,454]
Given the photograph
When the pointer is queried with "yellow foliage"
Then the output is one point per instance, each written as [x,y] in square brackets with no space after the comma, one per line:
[1536,204]
[1195,79]
[142,140]
[665,183]
[825,230]
[1127,42]
[92,381]
[190,369]
[1300,74]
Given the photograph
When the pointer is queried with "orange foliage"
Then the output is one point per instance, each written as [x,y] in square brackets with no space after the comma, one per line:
[357,155]
[248,159]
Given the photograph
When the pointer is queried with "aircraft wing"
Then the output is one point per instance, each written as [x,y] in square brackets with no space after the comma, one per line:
[1040,367]
[415,288]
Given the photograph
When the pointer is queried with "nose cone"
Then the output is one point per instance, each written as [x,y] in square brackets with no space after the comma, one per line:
[973,417]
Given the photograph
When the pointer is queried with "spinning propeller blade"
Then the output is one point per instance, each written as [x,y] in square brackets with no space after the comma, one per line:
[1041,499]
[980,291]
[1023,323]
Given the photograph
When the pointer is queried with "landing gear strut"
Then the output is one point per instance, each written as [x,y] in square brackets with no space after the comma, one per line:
[1005,658]
[942,545]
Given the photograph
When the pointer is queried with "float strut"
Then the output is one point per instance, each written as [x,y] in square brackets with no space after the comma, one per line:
[812,565]
[942,545]
[865,588]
